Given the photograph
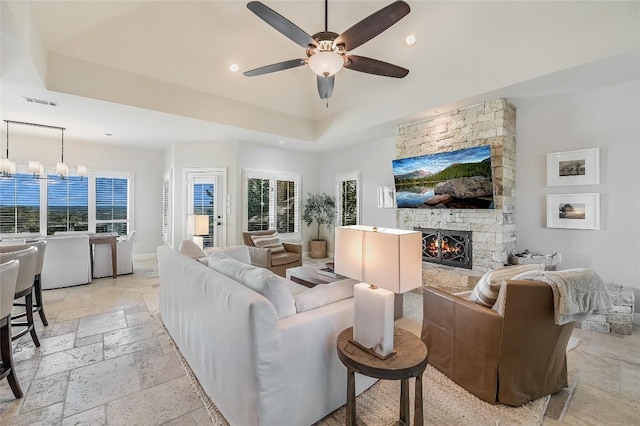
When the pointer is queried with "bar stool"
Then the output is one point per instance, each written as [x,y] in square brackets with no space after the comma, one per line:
[38,305]
[8,278]
[24,288]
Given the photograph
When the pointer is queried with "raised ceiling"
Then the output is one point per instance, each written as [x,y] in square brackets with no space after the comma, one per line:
[156,72]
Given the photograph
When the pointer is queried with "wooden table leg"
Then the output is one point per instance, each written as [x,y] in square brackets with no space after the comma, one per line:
[404,402]
[419,414]
[351,398]
[114,259]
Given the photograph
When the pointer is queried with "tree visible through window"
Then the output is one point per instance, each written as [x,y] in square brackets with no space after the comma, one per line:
[112,205]
[67,204]
[203,197]
[347,198]
[273,201]
[19,204]
[258,204]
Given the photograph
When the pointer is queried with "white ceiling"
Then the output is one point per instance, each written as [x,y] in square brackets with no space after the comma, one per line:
[156,72]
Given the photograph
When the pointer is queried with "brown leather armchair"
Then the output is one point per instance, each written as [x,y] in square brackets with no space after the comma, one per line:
[511,354]
[278,263]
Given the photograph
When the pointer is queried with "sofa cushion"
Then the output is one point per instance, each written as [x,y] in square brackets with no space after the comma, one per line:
[271,241]
[324,294]
[239,253]
[260,280]
[486,291]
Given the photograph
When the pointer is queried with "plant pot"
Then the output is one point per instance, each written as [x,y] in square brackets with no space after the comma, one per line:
[318,248]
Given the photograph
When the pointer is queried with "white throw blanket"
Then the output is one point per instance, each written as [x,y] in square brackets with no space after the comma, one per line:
[576,292]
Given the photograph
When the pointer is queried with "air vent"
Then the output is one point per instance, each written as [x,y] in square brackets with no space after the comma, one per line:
[41,101]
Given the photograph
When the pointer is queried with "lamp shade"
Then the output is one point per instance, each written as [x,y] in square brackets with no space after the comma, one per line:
[387,258]
[198,224]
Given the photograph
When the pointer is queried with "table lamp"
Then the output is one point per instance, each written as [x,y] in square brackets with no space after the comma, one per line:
[388,261]
[198,225]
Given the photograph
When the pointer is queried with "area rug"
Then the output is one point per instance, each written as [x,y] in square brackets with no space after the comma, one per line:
[445,403]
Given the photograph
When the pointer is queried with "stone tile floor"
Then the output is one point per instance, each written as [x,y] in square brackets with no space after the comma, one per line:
[104,360]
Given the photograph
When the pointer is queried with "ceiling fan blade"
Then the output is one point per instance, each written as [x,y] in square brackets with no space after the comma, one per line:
[374,66]
[373,25]
[282,24]
[280,66]
[325,86]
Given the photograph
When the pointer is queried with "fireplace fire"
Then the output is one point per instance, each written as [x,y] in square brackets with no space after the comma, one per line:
[446,247]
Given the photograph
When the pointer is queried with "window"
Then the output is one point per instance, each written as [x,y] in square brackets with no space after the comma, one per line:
[273,201]
[67,204]
[348,198]
[112,208]
[203,196]
[166,208]
[19,204]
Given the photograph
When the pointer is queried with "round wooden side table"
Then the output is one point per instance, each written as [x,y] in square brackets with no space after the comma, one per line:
[410,360]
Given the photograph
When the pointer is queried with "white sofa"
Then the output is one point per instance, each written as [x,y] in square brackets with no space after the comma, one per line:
[257,368]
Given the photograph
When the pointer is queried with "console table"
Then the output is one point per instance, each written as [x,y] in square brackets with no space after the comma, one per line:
[102,238]
[410,360]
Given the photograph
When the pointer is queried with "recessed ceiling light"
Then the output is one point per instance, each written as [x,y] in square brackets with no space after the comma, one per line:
[410,40]
[108,134]
[234,67]
[281,142]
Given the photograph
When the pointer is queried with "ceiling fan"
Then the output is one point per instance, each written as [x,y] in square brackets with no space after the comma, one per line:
[328,52]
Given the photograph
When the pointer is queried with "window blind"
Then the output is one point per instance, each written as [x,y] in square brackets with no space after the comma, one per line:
[67,204]
[112,205]
[19,204]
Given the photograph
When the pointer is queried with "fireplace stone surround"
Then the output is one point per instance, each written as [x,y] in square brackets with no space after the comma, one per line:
[490,123]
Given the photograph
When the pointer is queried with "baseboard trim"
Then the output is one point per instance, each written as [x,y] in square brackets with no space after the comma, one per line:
[144,256]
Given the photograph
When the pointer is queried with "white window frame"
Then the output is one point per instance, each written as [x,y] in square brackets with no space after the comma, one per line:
[343,177]
[117,174]
[192,174]
[167,207]
[273,177]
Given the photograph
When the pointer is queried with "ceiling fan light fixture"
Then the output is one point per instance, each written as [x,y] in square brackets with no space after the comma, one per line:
[410,40]
[326,64]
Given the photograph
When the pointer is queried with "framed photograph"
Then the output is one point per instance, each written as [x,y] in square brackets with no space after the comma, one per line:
[573,211]
[579,167]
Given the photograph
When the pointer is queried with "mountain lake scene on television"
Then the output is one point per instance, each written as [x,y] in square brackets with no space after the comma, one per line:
[455,180]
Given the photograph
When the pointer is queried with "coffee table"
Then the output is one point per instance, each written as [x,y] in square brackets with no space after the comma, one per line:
[308,276]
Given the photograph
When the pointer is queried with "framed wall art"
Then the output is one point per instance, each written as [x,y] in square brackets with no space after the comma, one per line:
[579,167]
[573,211]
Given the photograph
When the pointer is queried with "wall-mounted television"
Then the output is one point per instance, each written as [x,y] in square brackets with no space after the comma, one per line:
[455,180]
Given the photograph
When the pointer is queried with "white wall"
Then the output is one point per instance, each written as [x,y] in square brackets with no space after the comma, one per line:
[607,118]
[373,159]
[188,155]
[256,156]
[145,163]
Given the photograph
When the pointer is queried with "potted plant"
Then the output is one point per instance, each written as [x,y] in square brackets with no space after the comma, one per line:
[319,208]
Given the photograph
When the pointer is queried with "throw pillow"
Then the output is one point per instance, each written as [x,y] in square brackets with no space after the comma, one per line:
[260,280]
[486,291]
[191,249]
[324,294]
[271,241]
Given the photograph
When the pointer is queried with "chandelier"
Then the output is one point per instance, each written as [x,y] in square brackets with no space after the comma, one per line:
[8,167]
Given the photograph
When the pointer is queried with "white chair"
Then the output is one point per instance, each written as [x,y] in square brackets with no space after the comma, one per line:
[102,257]
[8,279]
[67,261]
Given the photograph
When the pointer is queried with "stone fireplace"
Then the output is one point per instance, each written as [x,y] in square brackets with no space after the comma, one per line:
[490,123]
